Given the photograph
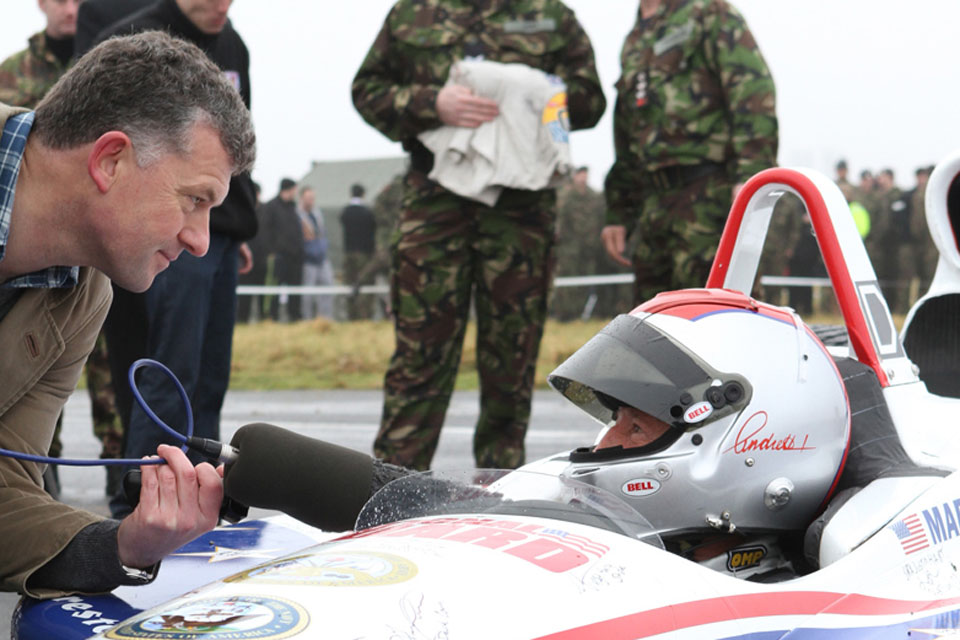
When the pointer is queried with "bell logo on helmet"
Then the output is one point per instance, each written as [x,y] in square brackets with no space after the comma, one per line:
[698,412]
[641,487]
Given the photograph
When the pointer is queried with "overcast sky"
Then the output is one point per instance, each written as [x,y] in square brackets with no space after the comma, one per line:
[874,81]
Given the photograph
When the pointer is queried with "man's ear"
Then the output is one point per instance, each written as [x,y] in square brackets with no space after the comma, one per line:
[105,157]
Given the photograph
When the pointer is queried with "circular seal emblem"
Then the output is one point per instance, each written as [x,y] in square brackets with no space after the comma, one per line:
[348,569]
[233,618]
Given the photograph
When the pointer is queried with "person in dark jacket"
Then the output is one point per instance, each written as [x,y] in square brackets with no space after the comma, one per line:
[359,244]
[93,16]
[283,239]
[186,318]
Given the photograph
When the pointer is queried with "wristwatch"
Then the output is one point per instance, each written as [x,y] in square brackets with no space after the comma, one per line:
[141,576]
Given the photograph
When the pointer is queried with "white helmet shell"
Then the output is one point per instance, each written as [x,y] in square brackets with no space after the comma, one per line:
[758,414]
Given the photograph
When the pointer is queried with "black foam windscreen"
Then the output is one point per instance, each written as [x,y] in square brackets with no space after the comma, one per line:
[316,482]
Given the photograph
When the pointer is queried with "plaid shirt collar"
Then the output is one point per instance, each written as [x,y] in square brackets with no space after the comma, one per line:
[12,143]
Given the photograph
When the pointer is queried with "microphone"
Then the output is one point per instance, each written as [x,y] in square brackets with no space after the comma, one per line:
[321,484]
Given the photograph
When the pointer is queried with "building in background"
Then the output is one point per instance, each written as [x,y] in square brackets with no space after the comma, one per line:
[331,180]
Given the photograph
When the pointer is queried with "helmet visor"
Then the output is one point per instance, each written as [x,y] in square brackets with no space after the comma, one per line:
[631,362]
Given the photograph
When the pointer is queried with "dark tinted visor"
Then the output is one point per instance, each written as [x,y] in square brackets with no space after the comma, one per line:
[634,363]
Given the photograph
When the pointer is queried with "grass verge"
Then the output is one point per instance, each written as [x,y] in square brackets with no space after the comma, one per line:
[319,354]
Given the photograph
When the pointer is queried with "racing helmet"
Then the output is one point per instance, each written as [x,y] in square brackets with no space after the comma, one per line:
[755,414]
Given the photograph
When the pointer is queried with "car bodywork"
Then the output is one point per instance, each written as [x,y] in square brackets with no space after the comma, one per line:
[533,554]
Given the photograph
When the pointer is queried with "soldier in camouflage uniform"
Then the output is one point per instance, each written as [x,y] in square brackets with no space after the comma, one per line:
[447,247]
[580,212]
[927,254]
[25,77]
[695,116]
[892,246]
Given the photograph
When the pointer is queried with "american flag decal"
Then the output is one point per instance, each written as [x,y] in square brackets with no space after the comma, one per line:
[911,534]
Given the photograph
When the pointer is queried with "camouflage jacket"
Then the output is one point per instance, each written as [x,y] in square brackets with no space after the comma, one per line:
[25,77]
[694,88]
[396,87]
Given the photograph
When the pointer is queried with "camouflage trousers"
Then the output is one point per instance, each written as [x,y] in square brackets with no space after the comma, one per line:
[677,235]
[445,250]
[360,306]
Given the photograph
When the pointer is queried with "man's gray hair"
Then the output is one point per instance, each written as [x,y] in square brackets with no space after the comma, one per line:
[152,87]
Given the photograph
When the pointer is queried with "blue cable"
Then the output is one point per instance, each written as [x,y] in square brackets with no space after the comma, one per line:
[143,362]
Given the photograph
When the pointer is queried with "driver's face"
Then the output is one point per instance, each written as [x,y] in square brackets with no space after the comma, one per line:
[633,428]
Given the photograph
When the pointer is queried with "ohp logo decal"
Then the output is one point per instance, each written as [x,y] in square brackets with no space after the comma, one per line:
[640,487]
[745,557]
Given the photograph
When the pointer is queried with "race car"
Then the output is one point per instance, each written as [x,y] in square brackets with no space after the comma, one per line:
[746,482]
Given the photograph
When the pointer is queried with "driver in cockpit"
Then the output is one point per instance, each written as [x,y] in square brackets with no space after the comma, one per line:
[726,424]
[632,428]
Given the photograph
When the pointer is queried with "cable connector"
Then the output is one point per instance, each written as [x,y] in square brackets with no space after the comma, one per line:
[213,449]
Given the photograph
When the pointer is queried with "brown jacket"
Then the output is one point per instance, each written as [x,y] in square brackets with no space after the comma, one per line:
[44,341]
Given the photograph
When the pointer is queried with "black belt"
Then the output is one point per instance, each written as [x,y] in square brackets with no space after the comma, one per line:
[681,175]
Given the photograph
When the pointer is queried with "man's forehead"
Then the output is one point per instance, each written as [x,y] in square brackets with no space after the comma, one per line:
[207,161]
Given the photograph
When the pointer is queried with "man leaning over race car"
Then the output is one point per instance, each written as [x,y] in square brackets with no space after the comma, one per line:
[114,175]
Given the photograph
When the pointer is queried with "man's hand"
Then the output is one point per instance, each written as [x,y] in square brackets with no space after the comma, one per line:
[246,259]
[458,107]
[178,502]
[614,238]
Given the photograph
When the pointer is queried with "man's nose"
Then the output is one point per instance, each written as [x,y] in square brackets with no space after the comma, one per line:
[195,235]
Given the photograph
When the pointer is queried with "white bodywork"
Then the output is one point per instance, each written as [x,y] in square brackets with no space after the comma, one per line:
[889,557]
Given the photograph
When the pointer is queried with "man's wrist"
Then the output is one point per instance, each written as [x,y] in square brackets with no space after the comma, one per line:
[140,576]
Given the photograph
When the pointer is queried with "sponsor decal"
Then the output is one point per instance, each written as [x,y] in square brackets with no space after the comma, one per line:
[556,118]
[745,557]
[941,522]
[640,487]
[86,613]
[350,569]
[698,412]
[555,550]
[751,438]
[236,618]
[911,534]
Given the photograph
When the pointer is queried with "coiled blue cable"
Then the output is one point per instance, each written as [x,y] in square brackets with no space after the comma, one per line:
[143,362]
